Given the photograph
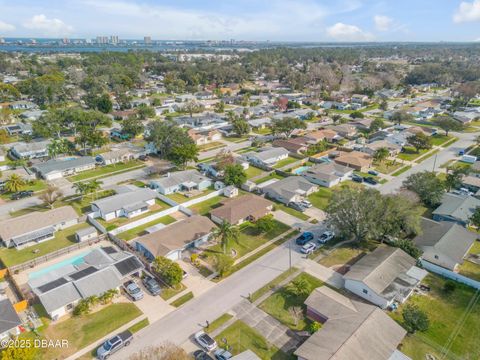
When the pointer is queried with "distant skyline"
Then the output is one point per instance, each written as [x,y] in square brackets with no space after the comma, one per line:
[275,20]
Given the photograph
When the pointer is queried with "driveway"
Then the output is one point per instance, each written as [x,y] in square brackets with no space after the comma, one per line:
[154,307]
[323,273]
[290,220]
[316,213]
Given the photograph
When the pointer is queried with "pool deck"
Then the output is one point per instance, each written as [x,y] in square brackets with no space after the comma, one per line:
[22,277]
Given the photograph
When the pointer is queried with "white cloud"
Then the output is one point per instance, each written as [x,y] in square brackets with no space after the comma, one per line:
[383,23]
[345,32]
[6,27]
[48,27]
[467,12]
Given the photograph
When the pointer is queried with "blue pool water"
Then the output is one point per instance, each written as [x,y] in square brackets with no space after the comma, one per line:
[300,170]
[69,158]
[76,260]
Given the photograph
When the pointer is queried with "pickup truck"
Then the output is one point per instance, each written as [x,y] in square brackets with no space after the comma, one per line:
[114,344]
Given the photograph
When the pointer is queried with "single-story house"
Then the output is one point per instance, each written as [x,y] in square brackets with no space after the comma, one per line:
[55,169]
[290,189]
[101,270]
[466,117]
[260,123]
[127,204]
[356,160]
[362,124]
[36,227]
[472,183]
[22,105]
[173,239]
[244,208]
[186,180]
[456,208]
[202,137]
[371,148]
[325,134]
[19,129]
[444,243]
[359,99]
[327,174]
[295,145]
[9,320]
[386,275]
[31,150]
[267,156]
[119,155]
[345,130]
[413,130]
[89,233]
[24,173]
[352,329]
[32,115]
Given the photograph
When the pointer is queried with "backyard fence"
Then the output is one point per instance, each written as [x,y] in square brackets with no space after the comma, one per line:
[450,274]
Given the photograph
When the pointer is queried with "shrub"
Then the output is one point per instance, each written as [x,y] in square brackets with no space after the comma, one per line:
[449,286]
[313,327]
[415,319]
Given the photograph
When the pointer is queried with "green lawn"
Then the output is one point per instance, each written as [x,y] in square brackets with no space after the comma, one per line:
[253,171]
[429,155]
[321,198]
[272,284]
[182,299]
[342,256]
[402,170]
[388,166]
[139,326]
[140,230]
[248,240]
[278,303]
[264,131]
[180,198]
[63,238]
[34,185]
[211,146]
[206,206]
[409,153]
[215,324]
[293,212]
[271,176]
[450,142]
[81,331]
[241,337]
[104,171]
[289,160]
[169,292]
[445,312]
[236,139]
[439,139]
[470,270]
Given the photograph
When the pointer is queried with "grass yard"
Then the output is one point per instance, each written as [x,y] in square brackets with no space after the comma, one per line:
[445,312]
[206,206]
[180,198]
[34,185]
[211,146]
[264,131]
[63,238]
[104,171]
[470,270]
[139,326]
[321,198]
[388,166]
[291,211]
[236,139]
[140,230]
[241,337]
[278,303]
[253,171]
[429,155]
[272,284]
[344,255]
[182,299]
[440,139]
[215,324]
[409,153]
[169,292]
[289,160]
[271,176]
[402,170]
[83,330]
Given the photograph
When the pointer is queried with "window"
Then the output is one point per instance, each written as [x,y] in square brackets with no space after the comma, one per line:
[69,307]
[436,256]
[365,291]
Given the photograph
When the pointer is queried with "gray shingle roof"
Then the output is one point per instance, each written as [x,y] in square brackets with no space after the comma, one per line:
[119,201]
[180,177]
[268,154]
[98,282]
[457,206]
[8,316]
[53,165]
[289,186]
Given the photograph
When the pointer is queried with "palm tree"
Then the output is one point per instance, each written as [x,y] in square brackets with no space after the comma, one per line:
[51,195]
[226,233]
[94,186]
[14,183]
[81,188]
[381,154]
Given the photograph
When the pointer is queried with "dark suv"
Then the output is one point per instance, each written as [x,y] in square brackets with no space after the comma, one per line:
[305,238]
[21,194]
[151,285]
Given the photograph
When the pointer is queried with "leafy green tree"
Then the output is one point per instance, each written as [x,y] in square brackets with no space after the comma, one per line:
[132,126]
[400,217]
[166,135]
[383,105]
[409,247]
[220,107]
[223,264]
[415,319]
[45,89]
[14,183]
[265,224]
[381,155]
[226,233]
[81,188]
[357,115]
[145,112]
[427,186]
[447,124]
[453,179]
[401,116]
[180,155]
[475,218]
[19,353]
[336,118]
[420,141]
[287,126]
[8,92]
[314,326]
[376,125]
[235,175]
[241,127]
[299,287]
[168,270]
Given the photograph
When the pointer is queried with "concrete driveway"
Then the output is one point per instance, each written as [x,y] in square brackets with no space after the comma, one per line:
[154,307]
[316,213]
[195,282]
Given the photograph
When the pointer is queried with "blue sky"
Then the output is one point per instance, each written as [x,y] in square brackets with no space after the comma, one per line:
[276,20]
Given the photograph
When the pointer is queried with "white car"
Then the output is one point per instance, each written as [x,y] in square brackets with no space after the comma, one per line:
[326,236]
[205,341]
[308,248]
[306,203]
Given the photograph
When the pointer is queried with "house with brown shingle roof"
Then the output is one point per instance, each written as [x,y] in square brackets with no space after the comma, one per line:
[244,208]
[325,134]
[357,160]
[295,145]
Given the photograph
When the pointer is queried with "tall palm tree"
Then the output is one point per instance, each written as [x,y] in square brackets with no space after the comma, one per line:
[81,188]
[14,183]
[94,186]
[226,233]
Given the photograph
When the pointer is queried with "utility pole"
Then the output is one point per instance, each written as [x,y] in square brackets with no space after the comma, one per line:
[434,162]
[290,254]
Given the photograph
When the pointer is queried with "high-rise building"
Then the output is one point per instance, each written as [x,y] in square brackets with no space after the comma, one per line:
[147,40]
[114,39]
[102,40]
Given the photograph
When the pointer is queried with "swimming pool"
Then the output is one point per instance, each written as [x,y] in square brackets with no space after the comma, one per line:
[300,170]
[76,260]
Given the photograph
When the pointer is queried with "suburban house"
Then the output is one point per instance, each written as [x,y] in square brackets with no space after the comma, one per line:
[345,130]
[325,134]
[36,227]
[267,156]
[386,275]
[466,117]
[128,204]
[359,99]
[456,208]
[260,123]
[19,129]
[244,208]
[352,329]
[294,145]
[413,130]
[173,239]
[9,320]
[470,182]
[31,150]
[99,271]
[444,243]
[55,169]
[327,174]
[290,189]
[371,148]
[120,155]
[186,180]
[355,159]
[22,105]
[362,124]
[202,137]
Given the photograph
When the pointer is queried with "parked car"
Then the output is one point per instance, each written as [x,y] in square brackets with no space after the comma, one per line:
[205,341]
[373,172]
[297,206]
[21,194]
[201,355]
[114,344]
[461,152]
[151,285]
[306,203]
[143,157]
[357,178]
[222,354]
[304,238]
[465,191]
[133,290]
[185,274]
[370,180]
[308,248]
[326,236]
